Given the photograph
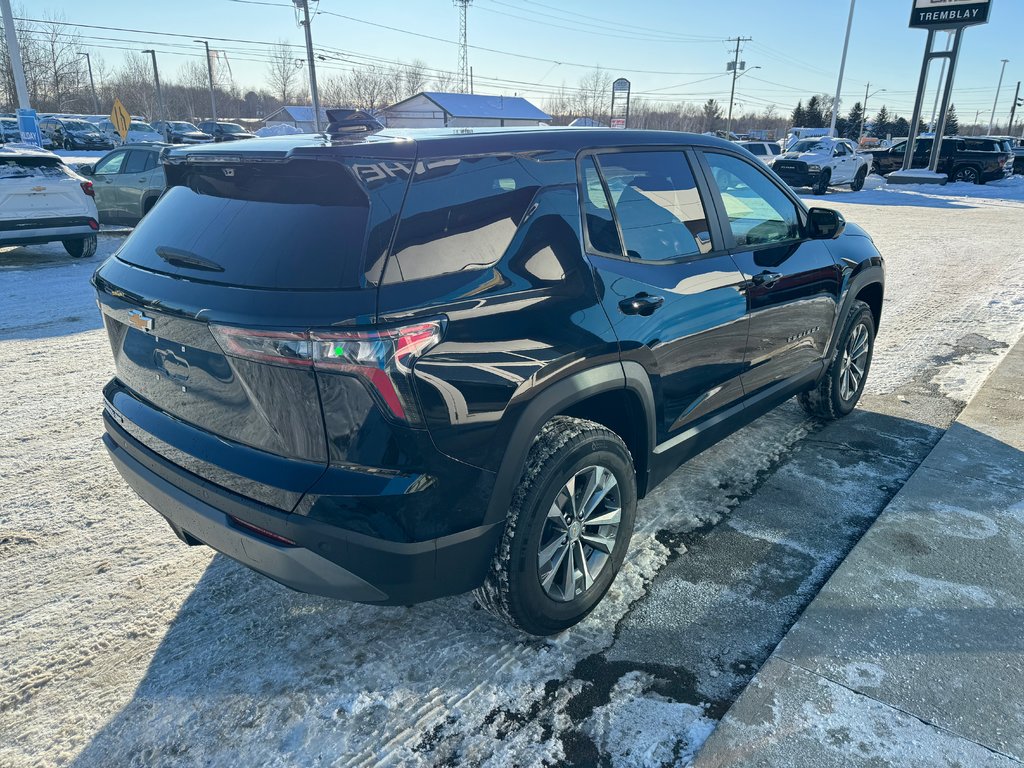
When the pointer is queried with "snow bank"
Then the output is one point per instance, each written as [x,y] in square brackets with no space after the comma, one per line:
[278,130]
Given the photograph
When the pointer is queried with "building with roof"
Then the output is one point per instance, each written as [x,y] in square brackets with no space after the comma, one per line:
[431,109]
[297,117]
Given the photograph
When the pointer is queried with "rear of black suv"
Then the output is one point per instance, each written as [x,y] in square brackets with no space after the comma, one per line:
[276,372]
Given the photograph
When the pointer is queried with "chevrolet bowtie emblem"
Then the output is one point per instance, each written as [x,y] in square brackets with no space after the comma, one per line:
[138,320]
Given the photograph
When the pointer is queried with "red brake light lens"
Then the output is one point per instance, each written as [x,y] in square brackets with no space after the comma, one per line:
[87,188]
[382,357]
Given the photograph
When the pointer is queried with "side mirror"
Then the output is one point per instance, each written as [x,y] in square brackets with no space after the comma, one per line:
[86,169]
[825,224]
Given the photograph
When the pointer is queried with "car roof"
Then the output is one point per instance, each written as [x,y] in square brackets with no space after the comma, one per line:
[439,142]
[24,150]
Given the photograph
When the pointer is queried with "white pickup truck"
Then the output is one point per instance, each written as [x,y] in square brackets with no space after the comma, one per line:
[822,162]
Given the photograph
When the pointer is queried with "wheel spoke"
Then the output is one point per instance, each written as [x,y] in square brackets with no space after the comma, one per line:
[581,557]
[608,517]
[555,516]
[606,484]
[569,580]
[548,552]
[602,543]
[570,488]
[548,577]
[592,485]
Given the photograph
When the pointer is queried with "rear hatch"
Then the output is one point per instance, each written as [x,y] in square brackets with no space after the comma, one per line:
[34,187]
[208,302]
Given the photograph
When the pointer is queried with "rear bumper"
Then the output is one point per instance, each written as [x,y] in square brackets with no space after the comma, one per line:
[321,559]
[26,231]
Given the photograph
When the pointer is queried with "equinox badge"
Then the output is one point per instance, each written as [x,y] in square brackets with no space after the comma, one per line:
[138,320]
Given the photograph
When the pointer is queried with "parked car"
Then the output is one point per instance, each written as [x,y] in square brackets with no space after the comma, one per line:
[957,160]
[74,133]
[765,151]
[138,133]
[127,182]
[822,162]
[9,131]
[222,131]
[399,367]
[180,132]
[1002,144]
[43,201]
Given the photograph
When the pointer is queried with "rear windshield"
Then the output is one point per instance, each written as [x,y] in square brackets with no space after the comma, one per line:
[296,225]
[32,168]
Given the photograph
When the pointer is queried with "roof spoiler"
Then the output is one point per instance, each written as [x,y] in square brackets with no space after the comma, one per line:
[345,122]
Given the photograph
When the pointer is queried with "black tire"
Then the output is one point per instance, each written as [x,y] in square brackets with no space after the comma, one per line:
[827,399]
[968,174]
[81,248]
[564,450]
[821,185]
[858,180]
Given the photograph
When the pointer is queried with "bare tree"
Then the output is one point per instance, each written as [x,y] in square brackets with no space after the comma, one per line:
[283,72]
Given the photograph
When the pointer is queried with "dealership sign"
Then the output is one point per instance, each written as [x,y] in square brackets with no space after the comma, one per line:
[949,14]
[620,103]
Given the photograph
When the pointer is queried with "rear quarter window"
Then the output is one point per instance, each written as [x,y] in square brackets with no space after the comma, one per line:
[460,214]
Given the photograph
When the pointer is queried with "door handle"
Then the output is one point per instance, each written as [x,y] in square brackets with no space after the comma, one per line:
[641,304]
[766,279]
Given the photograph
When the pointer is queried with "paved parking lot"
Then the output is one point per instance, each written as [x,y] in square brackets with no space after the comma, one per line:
[128,648]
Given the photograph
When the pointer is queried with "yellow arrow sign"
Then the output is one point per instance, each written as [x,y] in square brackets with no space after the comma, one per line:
[121,119]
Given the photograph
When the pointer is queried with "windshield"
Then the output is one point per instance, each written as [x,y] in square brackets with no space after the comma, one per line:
[808,145]
[80,125]
[144,127]
[231,128]
[183,126]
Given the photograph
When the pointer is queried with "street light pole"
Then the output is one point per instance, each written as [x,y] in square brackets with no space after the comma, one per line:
[864,111]
[314,94]
[209,72]
[15,53]
[995,104]
[92,85]
[156,78]
[842,70]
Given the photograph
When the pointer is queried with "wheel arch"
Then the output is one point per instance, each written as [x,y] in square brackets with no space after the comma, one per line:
[616,395]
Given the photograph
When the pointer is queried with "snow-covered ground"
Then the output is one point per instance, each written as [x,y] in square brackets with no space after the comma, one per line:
[120,646]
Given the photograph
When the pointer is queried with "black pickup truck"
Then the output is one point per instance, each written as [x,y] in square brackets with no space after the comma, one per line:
[959,160]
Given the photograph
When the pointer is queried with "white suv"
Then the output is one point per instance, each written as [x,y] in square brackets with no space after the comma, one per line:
[822,162]
[42,200]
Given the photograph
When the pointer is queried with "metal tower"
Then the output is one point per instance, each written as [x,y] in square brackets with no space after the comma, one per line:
[463,72]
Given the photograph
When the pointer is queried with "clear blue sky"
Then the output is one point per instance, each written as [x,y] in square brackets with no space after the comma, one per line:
[680,43]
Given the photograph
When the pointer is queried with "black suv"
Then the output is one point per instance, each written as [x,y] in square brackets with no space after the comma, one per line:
[389,368]
[73,133]
[966,159]
[221,131]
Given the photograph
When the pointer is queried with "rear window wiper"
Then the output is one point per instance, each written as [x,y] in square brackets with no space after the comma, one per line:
[187,259]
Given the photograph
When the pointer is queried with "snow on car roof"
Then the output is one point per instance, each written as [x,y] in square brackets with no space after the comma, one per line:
[11,150]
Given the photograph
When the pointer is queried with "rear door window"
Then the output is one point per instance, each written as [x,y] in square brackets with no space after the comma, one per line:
[656,203]
[136,162]
[460,214]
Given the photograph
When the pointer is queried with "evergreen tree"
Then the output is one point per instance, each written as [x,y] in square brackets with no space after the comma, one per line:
[711,114]
[952,122]
[901,127]
[882,126]
[799,116]
[814,114]
[853,121]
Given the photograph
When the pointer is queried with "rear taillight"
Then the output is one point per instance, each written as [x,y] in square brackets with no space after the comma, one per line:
[94,225]
[87,188]
[382,357]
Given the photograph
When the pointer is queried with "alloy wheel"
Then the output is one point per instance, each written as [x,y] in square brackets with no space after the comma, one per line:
[579,533]
[855,359]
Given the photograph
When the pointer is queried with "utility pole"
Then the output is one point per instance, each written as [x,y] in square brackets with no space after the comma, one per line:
[842,71]
[1013,109]
[995,104]
[303,5]
[864,112]
[209,72]
[156,78]
[15,53]
[92,85]
[735,75]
